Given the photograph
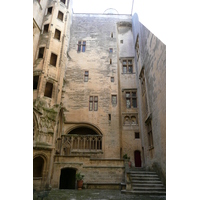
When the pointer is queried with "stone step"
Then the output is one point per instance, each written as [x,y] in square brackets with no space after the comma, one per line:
[145,178]
[149,188]
[144,192]
[147,181]
[147,185]
[142,172]
[144,175]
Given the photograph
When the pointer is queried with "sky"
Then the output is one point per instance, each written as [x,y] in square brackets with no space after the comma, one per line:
[152,14]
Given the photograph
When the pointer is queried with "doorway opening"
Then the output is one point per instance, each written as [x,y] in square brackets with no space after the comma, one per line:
[137,158]
[67,178]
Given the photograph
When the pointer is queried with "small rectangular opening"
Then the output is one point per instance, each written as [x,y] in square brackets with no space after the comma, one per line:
[111,50]
[46,28]
[109,117]
[110,61]
[121,41]
[137,135]
[49,11]
[41,52]
[114,99]
[48,90]
[112,79]
[60,15]
[86,76]
[53,59]
[35,82]
[111,35]
[57,34]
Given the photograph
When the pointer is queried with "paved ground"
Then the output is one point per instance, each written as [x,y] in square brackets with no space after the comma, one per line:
[90,194]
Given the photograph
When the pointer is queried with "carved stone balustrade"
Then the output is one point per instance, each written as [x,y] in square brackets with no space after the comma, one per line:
[80,143]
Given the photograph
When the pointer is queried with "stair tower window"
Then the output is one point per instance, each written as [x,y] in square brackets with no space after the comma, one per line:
[60,15]
[57,34]
[41,52]
[35,82]
[49,10]
[46,28]
[53,59]
[48,90]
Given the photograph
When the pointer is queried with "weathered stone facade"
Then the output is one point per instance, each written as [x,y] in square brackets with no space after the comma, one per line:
[89,107]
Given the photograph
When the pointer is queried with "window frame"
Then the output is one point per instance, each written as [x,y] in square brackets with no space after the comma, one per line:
[56,59]
[127,66]
[81,46]
[39,53]
[86,76]
[93,103]
[59,32]
[48,96]
[49,13]
[44,28]
[59,17]
[138,137]
[131,98]
[112,98]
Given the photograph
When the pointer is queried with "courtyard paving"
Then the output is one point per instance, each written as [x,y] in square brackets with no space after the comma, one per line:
[90,194]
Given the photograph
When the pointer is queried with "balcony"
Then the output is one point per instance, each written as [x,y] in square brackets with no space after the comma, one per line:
[73,144]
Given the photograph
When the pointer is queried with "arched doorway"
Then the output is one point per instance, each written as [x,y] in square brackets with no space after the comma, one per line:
[67,178]
[38,164]
[137,158]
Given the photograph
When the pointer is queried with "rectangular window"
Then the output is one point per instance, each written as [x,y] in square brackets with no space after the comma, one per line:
[131,99]
[110,61]
[46,28]
[121,41]
[110,50]
[137,135]
[48,90]
[35,82]
[128,100]
[114,99]
[86,75]
[111,35]
[53,59]
[109,117]
[49,11]
[83,46]
[93,101]
[90,103]
[150,136]
[112,79]
[60,15]
[79,46]
[127,66]
[41,52]
[134,100]
[57,34]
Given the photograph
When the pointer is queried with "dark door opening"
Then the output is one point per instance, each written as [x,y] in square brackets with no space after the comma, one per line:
[137,159]
[67,178]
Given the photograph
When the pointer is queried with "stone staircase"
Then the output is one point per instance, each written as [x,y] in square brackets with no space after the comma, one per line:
[144,182]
